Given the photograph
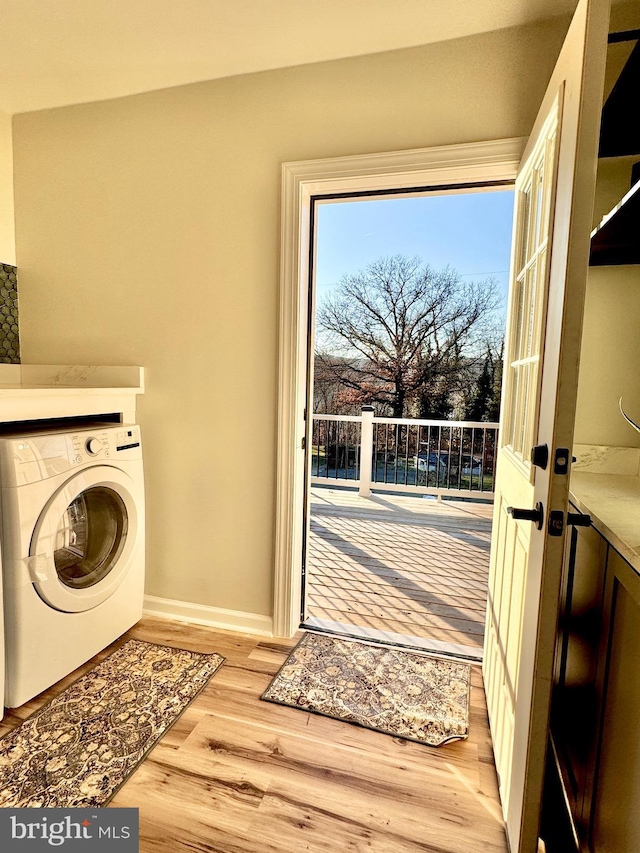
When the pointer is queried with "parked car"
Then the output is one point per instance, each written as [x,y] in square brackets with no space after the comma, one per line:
[473,467]
[431,462]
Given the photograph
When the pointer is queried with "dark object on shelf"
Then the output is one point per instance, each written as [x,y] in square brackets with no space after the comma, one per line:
[617,239]
[620,131]
[625,35]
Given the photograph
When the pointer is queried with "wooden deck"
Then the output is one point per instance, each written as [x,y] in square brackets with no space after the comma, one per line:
[408,570]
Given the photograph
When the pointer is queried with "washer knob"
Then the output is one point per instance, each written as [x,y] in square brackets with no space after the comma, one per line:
[94,446]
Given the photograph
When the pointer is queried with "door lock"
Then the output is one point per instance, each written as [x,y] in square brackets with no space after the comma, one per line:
[555,525]
[561,461]
[536,515]
[540,456]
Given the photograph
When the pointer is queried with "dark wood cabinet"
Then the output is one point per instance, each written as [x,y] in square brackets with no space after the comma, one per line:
[614,825]
[592,788]
[575,703]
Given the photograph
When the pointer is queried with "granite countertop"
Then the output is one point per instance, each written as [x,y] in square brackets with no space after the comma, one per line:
[607,486]
[30,379]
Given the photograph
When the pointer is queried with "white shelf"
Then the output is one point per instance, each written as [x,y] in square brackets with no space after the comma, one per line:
[615,240]
[44,391]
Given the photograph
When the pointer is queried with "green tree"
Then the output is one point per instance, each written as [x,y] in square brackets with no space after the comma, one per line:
[483,403]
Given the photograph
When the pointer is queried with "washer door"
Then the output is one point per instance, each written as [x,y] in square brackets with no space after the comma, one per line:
[83,542]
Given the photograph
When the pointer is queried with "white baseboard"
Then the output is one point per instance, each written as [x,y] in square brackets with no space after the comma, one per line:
[213,617]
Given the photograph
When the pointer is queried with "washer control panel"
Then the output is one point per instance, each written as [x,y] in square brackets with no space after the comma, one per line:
[32,457]
[90,445]
[127,438]
[106,443]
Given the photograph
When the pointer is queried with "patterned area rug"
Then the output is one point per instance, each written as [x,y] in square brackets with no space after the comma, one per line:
[79,748]
[397,692]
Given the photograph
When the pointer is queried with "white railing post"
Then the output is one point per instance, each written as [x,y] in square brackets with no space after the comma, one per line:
[366,451]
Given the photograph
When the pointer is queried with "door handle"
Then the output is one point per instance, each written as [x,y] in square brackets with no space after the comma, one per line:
[578,519]
[536,515]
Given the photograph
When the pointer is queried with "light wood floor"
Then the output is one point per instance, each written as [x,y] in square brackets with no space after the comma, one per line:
[399,567]
[237,775]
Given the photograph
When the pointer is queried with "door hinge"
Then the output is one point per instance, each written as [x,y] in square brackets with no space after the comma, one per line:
[303,443]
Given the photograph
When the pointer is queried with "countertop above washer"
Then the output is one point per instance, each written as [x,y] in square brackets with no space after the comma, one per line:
[606,485]
[43,391]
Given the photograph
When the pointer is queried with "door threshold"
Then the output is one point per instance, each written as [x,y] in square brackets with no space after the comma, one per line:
[390,638]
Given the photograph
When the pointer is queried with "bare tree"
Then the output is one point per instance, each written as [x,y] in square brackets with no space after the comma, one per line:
[330,396]
[401,333]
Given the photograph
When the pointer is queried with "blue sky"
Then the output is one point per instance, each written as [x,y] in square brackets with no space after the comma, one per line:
[470,232]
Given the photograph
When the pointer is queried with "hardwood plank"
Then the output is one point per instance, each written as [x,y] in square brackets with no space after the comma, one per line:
[216,795]
[312,774]
[300,814]
[327,733]
[306,752]
[238,775]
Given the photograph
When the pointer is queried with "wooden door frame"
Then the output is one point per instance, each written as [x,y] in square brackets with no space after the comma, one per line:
[416,169]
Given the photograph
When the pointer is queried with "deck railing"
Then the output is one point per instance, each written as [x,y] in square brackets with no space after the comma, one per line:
[457,458]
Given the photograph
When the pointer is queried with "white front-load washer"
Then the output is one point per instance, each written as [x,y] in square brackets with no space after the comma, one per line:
[72,549]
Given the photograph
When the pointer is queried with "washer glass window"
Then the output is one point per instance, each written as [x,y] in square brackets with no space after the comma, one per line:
[90,537]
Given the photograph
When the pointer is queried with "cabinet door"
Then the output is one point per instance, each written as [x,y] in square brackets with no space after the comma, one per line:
[575,703]
[615,826]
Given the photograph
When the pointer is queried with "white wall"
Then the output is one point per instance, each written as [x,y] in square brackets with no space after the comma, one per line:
[7,228]
[148,233]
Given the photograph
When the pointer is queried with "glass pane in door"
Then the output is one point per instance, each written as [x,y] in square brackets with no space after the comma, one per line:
[534,188]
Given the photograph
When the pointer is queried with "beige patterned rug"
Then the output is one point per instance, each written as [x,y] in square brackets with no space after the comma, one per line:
[397,692]
[79,748]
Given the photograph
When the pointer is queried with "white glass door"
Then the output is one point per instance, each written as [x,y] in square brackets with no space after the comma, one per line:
[549,265]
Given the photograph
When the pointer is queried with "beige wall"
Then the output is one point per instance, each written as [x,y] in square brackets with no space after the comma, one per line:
[7,229]
[148,233]
[610,353]
[610,358]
